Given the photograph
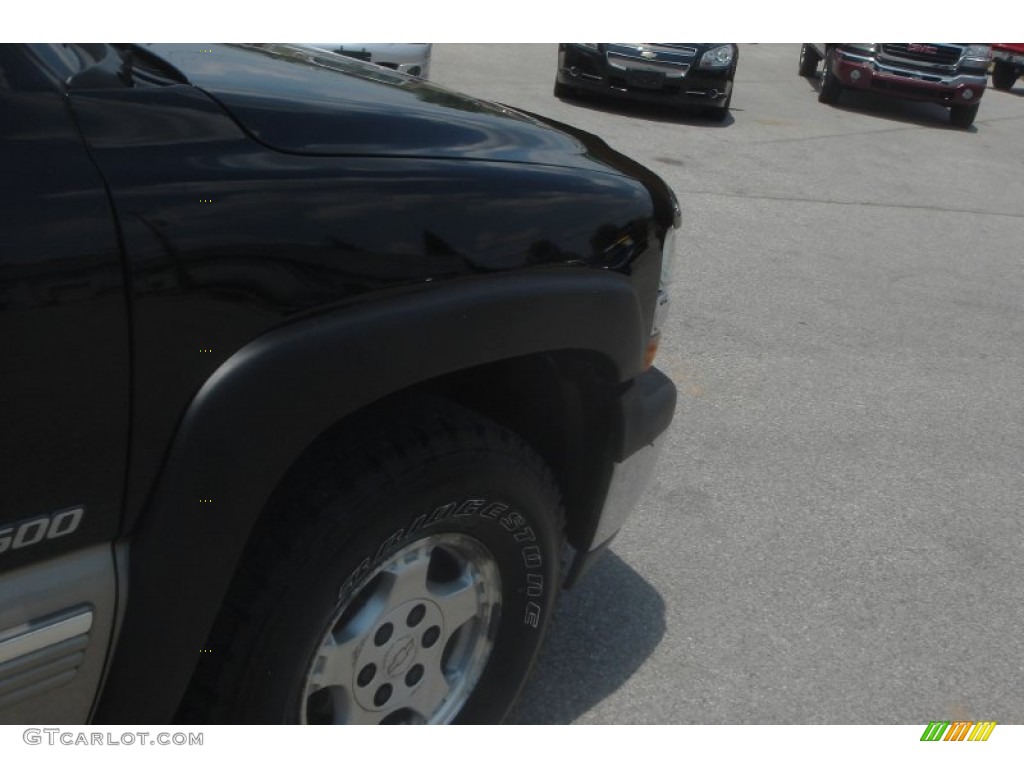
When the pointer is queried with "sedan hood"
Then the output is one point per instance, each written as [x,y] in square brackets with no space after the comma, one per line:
[311,102]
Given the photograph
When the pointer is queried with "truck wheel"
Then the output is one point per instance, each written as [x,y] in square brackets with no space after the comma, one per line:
[963,116]
[1004,75]
[409,580]
[830,85]
[808,61]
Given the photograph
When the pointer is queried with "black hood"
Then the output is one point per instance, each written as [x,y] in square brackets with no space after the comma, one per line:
[305,101]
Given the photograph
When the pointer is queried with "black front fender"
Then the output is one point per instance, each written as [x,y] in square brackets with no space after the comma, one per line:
[271,399]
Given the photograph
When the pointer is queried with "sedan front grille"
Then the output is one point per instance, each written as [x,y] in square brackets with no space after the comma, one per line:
[687,50]
[671,68]
[672,61]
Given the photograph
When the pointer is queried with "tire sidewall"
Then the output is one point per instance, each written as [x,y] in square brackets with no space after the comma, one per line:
[830,84]
[808,61]
[498,500]
[964,116]
[1004,76]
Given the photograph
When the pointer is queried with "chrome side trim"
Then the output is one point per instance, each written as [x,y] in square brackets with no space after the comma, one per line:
[23,640]
[56,619]
[45,670]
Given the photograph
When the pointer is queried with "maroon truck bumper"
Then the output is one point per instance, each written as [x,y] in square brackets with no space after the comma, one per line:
[866,74]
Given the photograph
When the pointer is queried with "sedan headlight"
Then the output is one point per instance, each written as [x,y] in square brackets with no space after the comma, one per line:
[717,58]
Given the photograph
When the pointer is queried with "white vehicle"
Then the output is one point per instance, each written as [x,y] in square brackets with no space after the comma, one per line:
[409,58]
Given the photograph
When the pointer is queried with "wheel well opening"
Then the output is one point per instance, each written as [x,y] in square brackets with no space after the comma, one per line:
[559,403]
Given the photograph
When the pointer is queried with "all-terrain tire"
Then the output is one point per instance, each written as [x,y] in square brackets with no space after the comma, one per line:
[405,576]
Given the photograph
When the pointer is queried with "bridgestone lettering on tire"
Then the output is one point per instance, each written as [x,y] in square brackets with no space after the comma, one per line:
[405,577]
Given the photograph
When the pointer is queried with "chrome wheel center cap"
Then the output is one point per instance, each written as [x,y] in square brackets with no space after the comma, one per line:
[400,657]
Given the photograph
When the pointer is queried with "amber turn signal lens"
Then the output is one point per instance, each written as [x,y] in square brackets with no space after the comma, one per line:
[652,350]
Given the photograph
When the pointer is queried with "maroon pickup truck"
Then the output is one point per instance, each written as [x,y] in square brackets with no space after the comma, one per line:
[1007,64]
[951,74]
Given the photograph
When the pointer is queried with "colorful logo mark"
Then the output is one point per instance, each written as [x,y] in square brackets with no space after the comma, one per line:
[958,730]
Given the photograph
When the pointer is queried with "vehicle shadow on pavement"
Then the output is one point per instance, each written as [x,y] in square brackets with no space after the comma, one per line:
[605,628]
[920,113]
[656,113]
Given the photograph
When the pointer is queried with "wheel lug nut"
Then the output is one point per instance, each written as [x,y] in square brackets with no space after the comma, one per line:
[416,615]
[383,634]
[414,675]
[380,698]
[431,636]
[366,675]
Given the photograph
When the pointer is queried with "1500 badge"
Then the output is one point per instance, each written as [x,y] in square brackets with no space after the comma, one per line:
[25,533]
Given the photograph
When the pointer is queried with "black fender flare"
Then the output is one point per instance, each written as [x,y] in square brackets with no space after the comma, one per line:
[266,403]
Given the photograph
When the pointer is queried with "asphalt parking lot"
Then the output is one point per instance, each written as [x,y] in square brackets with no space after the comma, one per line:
[835,531]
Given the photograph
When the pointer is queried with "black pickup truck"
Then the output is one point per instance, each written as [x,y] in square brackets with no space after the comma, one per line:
[318,382]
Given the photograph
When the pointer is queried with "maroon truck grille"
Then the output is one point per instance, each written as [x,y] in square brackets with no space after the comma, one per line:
[944,54]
